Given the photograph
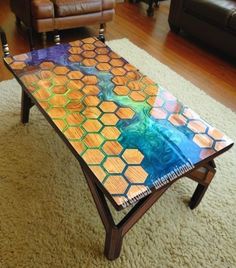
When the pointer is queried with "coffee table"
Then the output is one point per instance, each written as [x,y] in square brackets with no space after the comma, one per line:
[132,138]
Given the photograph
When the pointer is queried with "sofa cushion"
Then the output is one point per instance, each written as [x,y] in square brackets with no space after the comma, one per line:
[42,9]
[76,7]
[217,12]
[232,22]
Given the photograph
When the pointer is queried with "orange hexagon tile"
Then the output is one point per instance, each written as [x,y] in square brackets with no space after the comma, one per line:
[92,140]
[136,85]
[74,106]
[91,90]
[103,66]
[91,100]
[203,140]
[74,119]
[46,74]
[75,50]
[75,75]
[177,120]
[47,65]
[125,113]
[99,172]
[75,58]
[60,79]
[75,85]
[109,119]
[102,58]
[215,134]
[114,165]
[220,145]
[137,95]
[116,184]
[155,101]
[121,90]
[92,125]
[93,156]
[151,90]
[108,106]
[158,113]
[136,174]
[75,95]
[44,84]
[61,70]
[102,50]
[133,156]
[59,89]
[134,190]
[58,100]
[110,133]
[118,71]
[91,112]
[29,79]
[88,47]
[75,133]
[89,62]
[112,148]
[17,65]
[120,80]
[117,62]
[197,126]
[42,94]
[88,54]
[78,146]
[61,124]
[90,80]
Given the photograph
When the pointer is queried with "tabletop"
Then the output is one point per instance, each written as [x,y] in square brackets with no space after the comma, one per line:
[132,133]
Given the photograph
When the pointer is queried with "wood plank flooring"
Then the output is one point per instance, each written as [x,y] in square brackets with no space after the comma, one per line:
[208,69]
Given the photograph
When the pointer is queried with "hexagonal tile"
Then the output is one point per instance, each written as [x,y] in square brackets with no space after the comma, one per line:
[46,74]
[89,54]
[29,79]
[116,185]
[61,70]
[206,153]
[74,119]
[197,126]
[90,80]
[78,146]
[75,50]
[59,89]
[98,172]
[118,71]
[136,85]
[76,43]
[215,133]
[133,156]
[113,55]
[75,95]
[75,58]
[114,165]
[42,94]
[44,84]
[135,190]
[75,133]
[203,140]
[221,145]
[98,43]
[108,106]
[60,80]
[148,81]
[21,57]
[172,106]
[45,105]
[46,65]
[177,120]
[102,58]
[89,62]
[93,140]
[75,85]
[74,106]
[61,124]
[91,100]
[89,40]
[155,101]
[158,113]
[133,75]
[91,90]
[112,148]
[152,90]
[75,75]
[91,112]
[137,96]
[17,65]
[121,90]
[120,80]
[190,114]
[57,112]
[102,50]
[111,133]
[58,100]
[103,66]
[136,174]
[109,119]
[125,113]
[92,125]
[88,47]
[130,67]
[93,156]
[117,62]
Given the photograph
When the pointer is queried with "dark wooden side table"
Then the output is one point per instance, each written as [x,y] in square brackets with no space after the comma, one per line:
[151,4]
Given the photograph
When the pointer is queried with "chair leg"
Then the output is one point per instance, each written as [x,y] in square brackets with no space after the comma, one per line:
[30,38]
[57,38]
[101,36]
[44,38]
[5,47]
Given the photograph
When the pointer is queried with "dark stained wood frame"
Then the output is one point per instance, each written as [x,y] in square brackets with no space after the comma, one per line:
[202,173]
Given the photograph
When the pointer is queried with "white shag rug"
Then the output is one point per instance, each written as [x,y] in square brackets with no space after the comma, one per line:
[47,215]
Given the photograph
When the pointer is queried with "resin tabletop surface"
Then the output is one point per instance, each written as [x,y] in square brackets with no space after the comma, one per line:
[130,131]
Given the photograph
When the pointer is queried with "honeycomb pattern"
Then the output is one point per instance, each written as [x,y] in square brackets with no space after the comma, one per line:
[97,99]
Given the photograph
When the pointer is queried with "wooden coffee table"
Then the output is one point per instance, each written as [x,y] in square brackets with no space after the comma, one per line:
[132,138]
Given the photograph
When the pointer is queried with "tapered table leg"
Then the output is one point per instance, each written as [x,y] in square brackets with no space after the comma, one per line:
[26,104]
[113,243]
[197,196]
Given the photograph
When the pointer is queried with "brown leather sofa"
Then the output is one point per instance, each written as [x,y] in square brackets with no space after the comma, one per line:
[49,15]
[212,21]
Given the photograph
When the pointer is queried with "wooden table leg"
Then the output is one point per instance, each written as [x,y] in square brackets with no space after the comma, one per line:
[26,104]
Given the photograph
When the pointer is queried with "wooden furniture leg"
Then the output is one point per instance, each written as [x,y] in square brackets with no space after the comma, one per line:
[57,39]
[101,36]
[26,104]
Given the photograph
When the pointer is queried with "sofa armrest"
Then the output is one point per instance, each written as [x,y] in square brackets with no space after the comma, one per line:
[176,8]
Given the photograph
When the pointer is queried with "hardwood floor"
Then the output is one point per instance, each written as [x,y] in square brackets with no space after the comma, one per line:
[212,72]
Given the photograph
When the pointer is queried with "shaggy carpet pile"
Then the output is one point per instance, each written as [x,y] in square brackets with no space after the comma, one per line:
[47,215]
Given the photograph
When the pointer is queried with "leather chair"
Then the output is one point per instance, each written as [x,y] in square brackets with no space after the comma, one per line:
[52,15]
[212,21]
